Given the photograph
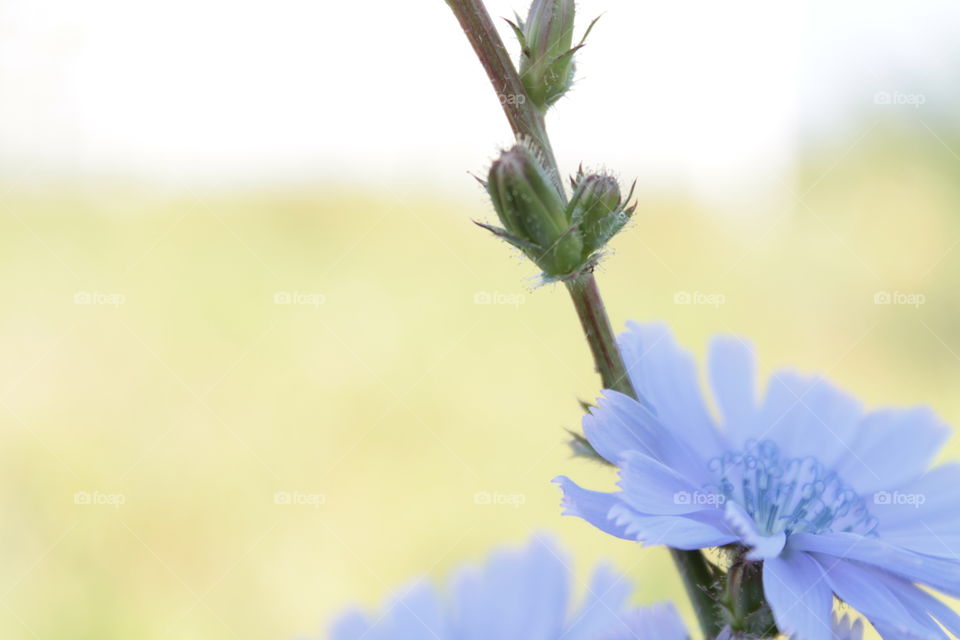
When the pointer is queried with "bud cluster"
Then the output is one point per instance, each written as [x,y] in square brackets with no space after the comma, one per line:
[561,238]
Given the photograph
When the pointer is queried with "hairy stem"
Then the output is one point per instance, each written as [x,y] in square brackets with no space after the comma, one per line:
[700,582]
[525,120]
[596,327]
[527,123]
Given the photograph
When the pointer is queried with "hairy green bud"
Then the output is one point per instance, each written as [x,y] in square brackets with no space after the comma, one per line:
[546,59]
[532,212]
[597,209]
[561,239]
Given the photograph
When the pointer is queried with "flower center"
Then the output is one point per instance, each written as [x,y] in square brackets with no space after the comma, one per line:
[793,495]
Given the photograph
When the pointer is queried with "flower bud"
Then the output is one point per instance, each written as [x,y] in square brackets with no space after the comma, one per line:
[598,210]
[546,61]
[533,213]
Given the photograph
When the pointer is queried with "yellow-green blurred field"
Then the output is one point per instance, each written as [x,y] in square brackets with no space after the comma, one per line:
[276,462]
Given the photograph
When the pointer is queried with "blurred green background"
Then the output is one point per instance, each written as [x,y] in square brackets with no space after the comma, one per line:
[228,414]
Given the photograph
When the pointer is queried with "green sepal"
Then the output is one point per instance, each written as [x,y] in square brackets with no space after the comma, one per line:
[581,448]
[506,236]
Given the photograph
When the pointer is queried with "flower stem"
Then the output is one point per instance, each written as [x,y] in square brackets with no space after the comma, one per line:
[596,327]
[699,580]
[527,123]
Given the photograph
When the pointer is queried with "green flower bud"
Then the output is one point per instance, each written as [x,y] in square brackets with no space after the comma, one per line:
[560,239]
[533,213]
[546,61]
[598,210]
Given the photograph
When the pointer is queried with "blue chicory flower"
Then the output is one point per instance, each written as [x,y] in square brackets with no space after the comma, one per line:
[518,594]
[834,501]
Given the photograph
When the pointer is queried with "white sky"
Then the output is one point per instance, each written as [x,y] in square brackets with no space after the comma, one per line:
[698,93]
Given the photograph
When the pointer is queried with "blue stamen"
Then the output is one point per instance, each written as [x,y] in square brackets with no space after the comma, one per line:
[793,495]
